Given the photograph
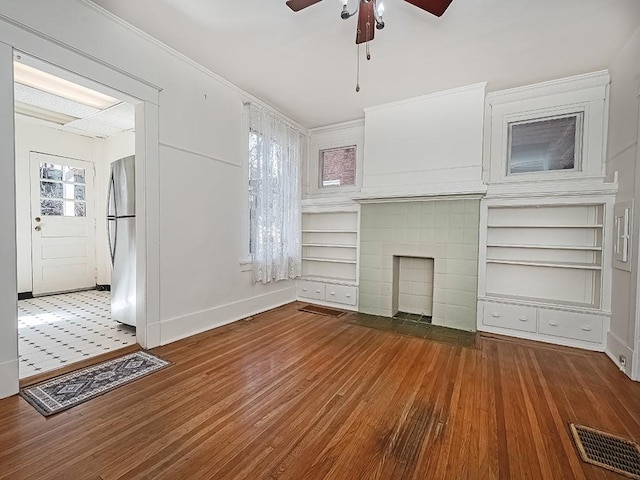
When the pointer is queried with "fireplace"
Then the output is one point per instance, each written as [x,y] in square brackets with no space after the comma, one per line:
[441,232]
[413,285]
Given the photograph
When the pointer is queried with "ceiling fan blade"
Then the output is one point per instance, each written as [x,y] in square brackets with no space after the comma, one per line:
[296,5]
[366,22]
[435,7]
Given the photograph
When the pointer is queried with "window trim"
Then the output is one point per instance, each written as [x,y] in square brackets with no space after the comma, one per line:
[579,136]
[320,161]
[325,138]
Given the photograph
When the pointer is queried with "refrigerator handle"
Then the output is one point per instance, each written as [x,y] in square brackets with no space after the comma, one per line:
[112,223]
[112,246]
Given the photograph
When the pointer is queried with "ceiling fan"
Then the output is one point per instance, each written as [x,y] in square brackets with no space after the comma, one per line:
[370,13]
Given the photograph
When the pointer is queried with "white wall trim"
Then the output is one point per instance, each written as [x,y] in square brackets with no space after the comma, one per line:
[185,326]
[199,154]
[8,248]
[429,96]
[615,348]
[9,375]
[336,127]
[246,96]
[16,36]
[561,85]
[434,191]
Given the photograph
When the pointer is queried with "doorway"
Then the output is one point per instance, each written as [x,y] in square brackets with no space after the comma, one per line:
[66,137]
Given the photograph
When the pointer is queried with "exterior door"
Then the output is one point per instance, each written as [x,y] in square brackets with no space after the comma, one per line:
[63,224]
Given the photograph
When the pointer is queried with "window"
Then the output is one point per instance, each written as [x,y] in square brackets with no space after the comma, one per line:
[62,191]
[540,145]
[274,197]
[338,166]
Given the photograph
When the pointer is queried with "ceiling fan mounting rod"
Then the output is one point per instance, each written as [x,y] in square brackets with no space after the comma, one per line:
[377,12]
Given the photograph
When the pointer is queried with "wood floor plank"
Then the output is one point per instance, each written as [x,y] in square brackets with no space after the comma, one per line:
[290,395]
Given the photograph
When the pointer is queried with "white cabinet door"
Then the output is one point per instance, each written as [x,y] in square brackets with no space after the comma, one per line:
[514,317]
[578,326]
[314,290]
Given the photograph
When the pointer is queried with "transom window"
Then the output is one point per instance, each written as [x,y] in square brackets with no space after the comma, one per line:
[552,143]
[338,166]
[62,191]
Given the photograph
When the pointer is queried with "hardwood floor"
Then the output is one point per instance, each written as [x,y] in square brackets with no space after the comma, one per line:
[293,395]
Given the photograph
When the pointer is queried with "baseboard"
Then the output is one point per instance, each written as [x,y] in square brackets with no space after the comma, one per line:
[615,348]
[25,295]
[182,327]
[9,378]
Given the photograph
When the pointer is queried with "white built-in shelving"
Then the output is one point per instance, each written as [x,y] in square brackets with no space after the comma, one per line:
[330,246]
[330,255]
[544,270]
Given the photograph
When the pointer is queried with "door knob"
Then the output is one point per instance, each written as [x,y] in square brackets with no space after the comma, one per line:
[38,228]
[37,219]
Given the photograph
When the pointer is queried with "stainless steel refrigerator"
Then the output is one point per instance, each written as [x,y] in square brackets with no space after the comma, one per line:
[121,231]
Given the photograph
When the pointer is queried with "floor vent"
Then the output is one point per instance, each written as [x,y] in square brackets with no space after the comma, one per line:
[331,312]
[607,451]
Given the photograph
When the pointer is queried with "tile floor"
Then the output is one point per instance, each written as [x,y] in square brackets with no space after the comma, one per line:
[414,328]
[57,330]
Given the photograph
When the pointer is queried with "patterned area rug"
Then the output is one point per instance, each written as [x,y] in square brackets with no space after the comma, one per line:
[66,391]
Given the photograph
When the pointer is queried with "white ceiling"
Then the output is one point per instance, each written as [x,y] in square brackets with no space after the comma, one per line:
[81,119]
[304,63]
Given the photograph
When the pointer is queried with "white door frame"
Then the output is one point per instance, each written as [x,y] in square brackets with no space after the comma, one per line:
[64,59]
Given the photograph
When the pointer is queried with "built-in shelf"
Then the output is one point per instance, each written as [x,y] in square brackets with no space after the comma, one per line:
[546,247]
[330,242]
[545,226]
[328,231]
[537,301]
[329,260]
[329,279]
[555,259]
[327,245]
[581,266]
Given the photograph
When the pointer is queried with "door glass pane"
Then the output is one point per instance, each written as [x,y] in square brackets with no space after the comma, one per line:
[65,183]
[51,207]
[51,189]
[545,144]
[79,192]
[80,209]
[75,175]
[50,171]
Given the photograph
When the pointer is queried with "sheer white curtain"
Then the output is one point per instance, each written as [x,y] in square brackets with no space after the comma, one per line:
[274,188]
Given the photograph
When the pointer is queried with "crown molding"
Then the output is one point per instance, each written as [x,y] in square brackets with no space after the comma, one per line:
[600,78]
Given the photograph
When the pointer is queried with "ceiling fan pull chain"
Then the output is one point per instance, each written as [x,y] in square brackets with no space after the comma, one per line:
[358,68]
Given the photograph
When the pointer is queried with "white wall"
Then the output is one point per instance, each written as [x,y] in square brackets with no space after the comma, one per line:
[37,138]
[426,145]
[8,282]
[623,157]
[200,165]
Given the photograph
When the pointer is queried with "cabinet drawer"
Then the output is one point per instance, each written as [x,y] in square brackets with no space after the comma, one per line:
[579,326]
[514,317]
[307,289]
[344,294]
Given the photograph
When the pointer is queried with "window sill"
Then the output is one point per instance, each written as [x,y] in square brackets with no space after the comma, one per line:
[246,265]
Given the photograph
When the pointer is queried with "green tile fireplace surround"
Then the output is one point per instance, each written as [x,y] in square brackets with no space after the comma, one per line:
[444,230]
